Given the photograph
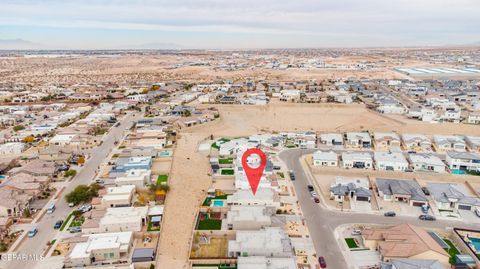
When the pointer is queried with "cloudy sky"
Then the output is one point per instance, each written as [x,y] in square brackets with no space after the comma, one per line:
[90,24]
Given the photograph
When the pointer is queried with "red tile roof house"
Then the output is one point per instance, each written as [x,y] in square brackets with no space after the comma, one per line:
[36,168]
[404,241]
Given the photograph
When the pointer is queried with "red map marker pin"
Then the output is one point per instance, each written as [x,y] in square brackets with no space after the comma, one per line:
[254,174]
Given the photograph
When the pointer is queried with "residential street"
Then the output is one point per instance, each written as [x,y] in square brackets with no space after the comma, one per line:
[322,222]
[37,244]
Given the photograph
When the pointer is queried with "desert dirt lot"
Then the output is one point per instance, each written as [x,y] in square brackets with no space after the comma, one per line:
[189,177]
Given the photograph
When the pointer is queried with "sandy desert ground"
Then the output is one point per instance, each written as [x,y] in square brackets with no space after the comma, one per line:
[189,178]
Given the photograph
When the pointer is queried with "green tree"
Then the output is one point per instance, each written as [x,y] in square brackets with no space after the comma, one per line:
[82,193]
[70,173]
[18,128]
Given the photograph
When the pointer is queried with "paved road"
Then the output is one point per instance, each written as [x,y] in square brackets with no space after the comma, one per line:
[37,244]
[322,221]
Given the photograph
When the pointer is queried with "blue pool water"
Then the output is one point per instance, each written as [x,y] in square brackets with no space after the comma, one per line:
[165,153]
[475,242]
[458,172]
[217,203]
[3,177]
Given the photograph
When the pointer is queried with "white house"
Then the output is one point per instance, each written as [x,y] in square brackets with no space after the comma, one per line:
[358,140]
[270,241]
[473,118]
[118,196]
[104,247]
[325,158]
[357,160]
[248,217]
[473,143]
[445,143]
[12,148]
[120,219]
[289,95]
[426,162]
[463,161]
[137,177]
[416,142]
[331,139]
[263,196]
[262,262]
[390,161]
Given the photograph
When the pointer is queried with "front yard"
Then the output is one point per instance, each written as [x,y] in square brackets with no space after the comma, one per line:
[351,243]
[227,172]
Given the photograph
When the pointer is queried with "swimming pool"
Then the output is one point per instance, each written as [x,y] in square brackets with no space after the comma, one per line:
[165,154]
[475,243]
[458,172]
[217,203]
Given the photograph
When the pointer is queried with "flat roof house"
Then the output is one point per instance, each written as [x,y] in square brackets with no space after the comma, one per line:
[125,164]
[473,143]
[262,262]
[331,139]
[412,264]
[461,162]
[401,190]
[404,241]
[444,143]
[346,188]
[268,242]
[390,161]
[137,177]
[325,158]
[426,162]
[248,217]
[358,140]
[416,142]
[361,160]
[104,247]
[263,196]
[449,196]
[118,196]
[386,141]
[115,220]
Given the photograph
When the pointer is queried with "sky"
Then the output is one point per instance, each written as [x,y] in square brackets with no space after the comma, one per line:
[238,24]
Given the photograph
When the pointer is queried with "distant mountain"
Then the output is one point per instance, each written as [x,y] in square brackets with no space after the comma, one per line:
[153,46]
[18,44]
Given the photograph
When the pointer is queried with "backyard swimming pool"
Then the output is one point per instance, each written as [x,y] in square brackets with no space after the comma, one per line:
[218,203]
[475,243]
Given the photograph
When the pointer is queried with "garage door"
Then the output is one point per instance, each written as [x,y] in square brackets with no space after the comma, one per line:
[362,199]
[465,207]
[417,203]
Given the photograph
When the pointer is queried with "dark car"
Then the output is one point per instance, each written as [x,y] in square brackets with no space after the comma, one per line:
[292,175]
[321,261]
[310,188]
[276,167]
[316,200]
[425,191]
[390,214]
[427,217]
[58,224]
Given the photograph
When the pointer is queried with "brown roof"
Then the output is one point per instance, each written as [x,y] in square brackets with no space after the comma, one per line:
[403,241]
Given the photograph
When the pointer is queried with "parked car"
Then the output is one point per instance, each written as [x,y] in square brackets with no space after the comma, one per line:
[310,188]
[477,212]
[85,208]
[276,167]
[425,191]
[427,217]
[58,224]
[32,232]
[292,175]
[390,214]
[313,194]
[74,230]
[356,232]
[316,200]
[425,209]
[71,204]
[321,261]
